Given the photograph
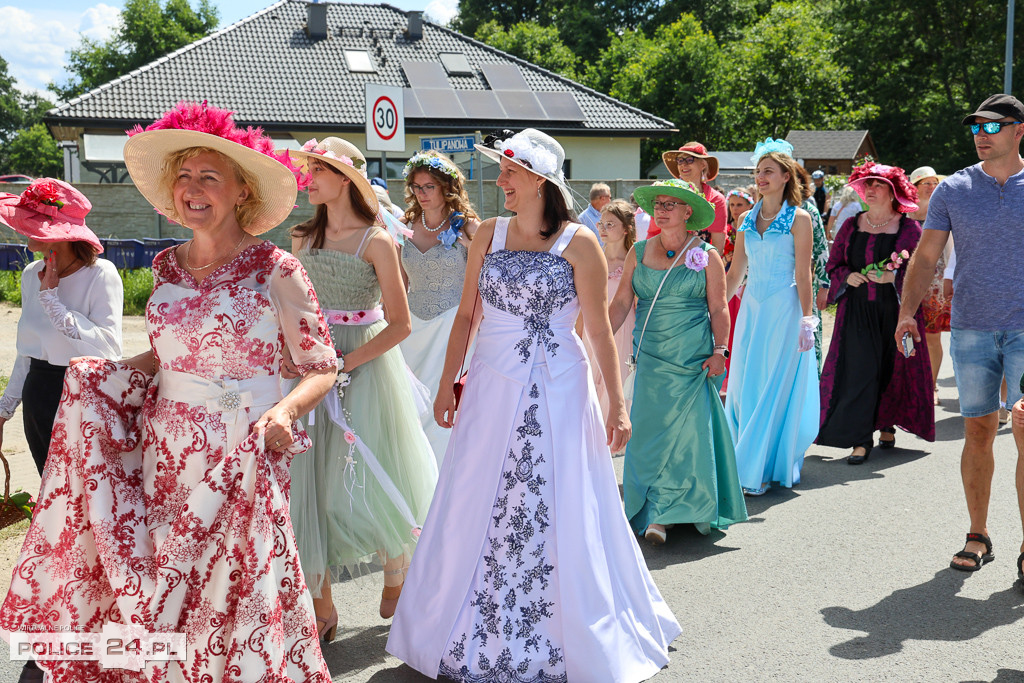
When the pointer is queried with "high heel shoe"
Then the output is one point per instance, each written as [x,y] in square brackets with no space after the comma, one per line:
[330,626]
[886,444]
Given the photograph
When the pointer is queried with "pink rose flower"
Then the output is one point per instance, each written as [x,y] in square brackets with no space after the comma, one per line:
[350,437]
[890,266]
[905,254]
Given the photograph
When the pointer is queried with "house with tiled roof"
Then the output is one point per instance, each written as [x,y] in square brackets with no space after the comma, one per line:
[832,151]
[299,70]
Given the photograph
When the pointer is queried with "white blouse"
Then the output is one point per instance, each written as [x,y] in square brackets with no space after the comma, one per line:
[83,318]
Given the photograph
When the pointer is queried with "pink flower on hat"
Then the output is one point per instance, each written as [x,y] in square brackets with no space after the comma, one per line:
[43,193]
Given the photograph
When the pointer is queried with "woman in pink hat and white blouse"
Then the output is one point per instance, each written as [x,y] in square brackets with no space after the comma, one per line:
[71,304]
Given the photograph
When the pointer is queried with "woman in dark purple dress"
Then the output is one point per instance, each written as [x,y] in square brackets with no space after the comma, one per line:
[867,384]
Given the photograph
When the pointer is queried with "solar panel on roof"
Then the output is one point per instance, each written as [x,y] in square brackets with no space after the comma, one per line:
[560,106]
[425,75]
[440,103]
[521,105]
[411,106]
[455,63]
[481,104]
[504,77]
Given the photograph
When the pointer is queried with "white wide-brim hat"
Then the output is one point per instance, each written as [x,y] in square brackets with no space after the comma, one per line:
[146,153]
[537,152]
[342,155]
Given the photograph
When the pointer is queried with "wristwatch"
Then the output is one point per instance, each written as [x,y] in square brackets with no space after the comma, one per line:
[722,351]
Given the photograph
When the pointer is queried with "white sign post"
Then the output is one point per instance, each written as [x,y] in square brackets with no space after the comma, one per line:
[385,118]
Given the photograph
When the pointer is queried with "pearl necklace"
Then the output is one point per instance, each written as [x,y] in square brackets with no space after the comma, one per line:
[760,212]
[188,253]
[879,225]
[423,219]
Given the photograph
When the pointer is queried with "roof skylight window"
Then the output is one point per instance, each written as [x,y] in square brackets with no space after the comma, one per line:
[359,61]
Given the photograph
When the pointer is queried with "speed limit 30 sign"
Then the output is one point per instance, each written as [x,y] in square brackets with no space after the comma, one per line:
[385,119]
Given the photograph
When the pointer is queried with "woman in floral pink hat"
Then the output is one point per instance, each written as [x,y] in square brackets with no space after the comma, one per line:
[71,305]
[866,384]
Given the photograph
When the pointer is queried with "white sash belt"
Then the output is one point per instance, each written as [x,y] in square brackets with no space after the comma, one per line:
[223,395]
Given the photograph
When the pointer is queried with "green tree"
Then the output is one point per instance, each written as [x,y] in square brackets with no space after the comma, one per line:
[782,76]
[147,31]
[923,65]
[528,40]
[10,104]
[34,152]
[675,74]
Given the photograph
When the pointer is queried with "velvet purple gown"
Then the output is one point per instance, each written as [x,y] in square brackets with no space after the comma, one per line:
[866,383]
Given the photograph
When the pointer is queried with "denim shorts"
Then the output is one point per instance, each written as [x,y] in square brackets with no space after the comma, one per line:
[980,361]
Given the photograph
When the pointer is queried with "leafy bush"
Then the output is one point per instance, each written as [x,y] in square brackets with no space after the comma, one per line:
[138,285]
[10,286]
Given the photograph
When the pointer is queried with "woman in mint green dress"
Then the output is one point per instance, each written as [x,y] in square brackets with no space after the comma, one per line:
[362,492]
[680,466]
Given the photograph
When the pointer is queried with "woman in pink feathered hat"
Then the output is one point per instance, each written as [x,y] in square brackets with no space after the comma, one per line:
[165,498]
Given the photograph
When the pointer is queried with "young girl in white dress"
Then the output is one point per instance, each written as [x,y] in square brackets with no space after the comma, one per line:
[527,569]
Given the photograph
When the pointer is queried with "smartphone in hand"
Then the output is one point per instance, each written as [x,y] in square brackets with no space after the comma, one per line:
[908,345]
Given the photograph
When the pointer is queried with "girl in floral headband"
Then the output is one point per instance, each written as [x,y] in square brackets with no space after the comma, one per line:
[441,222]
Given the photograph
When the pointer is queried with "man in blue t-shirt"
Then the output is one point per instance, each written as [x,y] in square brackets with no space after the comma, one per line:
[983,207]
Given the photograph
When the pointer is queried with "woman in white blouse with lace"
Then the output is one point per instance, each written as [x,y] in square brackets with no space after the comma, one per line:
[71,304]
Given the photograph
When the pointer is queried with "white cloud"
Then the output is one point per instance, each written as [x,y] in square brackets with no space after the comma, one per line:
[99,22]
[441,11]
[35,44]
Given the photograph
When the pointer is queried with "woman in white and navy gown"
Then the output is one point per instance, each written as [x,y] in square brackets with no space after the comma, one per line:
[527,569]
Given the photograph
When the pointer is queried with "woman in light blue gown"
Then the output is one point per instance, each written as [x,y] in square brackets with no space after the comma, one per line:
[772,402]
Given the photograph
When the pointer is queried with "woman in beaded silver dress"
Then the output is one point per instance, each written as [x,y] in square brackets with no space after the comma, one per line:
[442,222]
[364,488]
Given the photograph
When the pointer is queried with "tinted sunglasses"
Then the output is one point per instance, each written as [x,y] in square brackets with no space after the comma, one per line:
[991,127]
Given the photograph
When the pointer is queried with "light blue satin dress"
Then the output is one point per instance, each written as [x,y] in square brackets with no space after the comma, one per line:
[772,401]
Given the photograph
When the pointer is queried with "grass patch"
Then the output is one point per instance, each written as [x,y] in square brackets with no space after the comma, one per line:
[15,530]
[138,285]
[3,383]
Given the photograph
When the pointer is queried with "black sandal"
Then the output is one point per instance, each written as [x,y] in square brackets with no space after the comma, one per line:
[1020,573]
[886,445]
[979,560]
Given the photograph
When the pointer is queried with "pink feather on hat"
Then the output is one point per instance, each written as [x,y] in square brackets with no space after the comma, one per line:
[203,118]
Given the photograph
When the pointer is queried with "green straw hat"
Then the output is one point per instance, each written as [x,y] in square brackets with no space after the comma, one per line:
[685,191]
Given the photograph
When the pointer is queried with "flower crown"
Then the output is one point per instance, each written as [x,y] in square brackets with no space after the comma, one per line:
[535,157]
[680,185]
[433,161]
[313,147]
[741,193]
[770,145]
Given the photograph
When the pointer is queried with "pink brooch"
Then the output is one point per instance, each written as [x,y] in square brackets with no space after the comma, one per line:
[350,437]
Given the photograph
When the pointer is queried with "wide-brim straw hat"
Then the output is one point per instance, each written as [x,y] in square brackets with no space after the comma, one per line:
[703,212]
[693,149]
[146,153]
[537,152]
[343,156]
[49,210]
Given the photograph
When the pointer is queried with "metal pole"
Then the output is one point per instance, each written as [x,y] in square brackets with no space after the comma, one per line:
[384,165]
[1008,74]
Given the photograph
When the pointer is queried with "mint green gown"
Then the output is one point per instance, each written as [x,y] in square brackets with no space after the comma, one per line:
[680,464]
[343,510]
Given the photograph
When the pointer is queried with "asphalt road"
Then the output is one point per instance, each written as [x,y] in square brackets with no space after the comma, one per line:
[843,578]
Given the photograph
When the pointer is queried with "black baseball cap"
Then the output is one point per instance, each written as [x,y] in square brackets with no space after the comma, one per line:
[996,107]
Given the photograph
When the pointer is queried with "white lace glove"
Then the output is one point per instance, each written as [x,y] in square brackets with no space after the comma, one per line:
[808,324]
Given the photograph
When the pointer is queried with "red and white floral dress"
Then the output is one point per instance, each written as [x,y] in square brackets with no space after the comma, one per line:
[158,506]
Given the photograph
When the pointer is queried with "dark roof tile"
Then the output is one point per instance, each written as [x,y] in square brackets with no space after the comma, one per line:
[268,70]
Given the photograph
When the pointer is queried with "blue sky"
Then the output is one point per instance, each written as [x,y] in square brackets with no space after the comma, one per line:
[35,37]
